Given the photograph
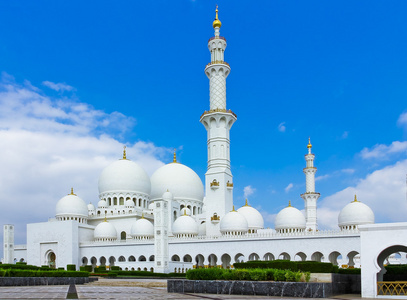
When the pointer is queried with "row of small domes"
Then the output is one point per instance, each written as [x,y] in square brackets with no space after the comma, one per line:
[142,228]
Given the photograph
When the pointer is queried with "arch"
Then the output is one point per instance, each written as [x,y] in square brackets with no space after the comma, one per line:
[93,262]
[212,260]
[112,260]
[138,269]
[51,259]
[151,258]
[385,254]
[268,256]
[84,261]
[139,202]
[175,258]
[122,258]
[284,256]
[145,269]
[226,259]
[187,258]
[239,258]
[199,259]
[131,258]
[142,258]
[114,200]
[254,256]
[317,256]
[123,235]
[333,258]
[352,258]
[152,270]
[300,256]
[175,215]
[121,201]
[102,261]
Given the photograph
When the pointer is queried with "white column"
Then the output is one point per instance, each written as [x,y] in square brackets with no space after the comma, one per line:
[8,244]
[161,221]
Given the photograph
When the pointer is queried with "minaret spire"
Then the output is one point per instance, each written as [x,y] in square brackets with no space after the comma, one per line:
[310,196]
[218,122]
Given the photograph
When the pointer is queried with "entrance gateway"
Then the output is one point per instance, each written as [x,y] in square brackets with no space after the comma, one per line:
[378,241]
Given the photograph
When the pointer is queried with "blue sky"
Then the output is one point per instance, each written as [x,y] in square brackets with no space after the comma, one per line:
[82,78]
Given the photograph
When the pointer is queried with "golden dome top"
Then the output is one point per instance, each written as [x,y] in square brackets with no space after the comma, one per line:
[309,143]
[216,23]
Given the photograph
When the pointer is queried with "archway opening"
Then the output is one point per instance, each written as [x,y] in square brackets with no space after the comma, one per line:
[51,259]
[334,258]
[212,260]
[226,259]
[239,258]
[254,256]
[300,256]
[199,259]
[284,256]
[268,256]
[317,256]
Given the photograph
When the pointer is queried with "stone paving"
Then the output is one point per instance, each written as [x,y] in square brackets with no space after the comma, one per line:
[120,289]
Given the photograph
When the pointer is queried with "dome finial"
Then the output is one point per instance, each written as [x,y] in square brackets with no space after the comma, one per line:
[185,212]
[289,203]
[233,208]
[105,218]
[142,215]
[246,204]
[309,143]
[216,23]
[175,156]
[356,199]
[72,192]
[124,152]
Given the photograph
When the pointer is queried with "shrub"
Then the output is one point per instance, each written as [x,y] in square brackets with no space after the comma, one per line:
[315,267]
[396,269]
[115,268]
[21,263]
[349,271]
[71,267]
[258,275]
[304,266]
[100,269]
[61,269]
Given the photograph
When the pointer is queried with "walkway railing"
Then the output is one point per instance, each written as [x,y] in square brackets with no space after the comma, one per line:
[392,288]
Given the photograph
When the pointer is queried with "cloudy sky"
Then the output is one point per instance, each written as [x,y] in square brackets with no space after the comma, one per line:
[81,79]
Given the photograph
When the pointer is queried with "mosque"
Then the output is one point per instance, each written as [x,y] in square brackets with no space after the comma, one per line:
[172,222]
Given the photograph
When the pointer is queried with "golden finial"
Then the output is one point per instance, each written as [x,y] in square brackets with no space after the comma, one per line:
[124,152]
[72,192]
[175,156]
[309,146]
[233,208]
[105,218]
[289,203]
[246,204]
[142,215]
[356,199]
[185,212]
[216,23]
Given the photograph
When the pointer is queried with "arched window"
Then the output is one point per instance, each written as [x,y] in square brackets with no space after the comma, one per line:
[132,258]
[123,235]
[121,201]
[122,258]
[114,201]
[142,258]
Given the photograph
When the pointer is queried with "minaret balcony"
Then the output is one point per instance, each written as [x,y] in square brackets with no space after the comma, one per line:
[228,111]
[229,185]
[217,37]
[217,62]
[214,184]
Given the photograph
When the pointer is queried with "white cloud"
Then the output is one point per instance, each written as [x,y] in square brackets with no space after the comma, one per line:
[402,121]
[382,151]
[345,135]
[50,145]
[288,187]
[348,171]
[322,177]
[383,190]
[248,190]
[281,127]
[59,87]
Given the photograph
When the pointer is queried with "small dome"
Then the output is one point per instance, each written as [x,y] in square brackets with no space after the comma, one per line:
[202,229]
[354,214]
[254,218]
[182,182]
[290,218]
[142,228]
[151,205]
[185,211]
[91,206]
[129,203]
[71,206]
[105,232]
[185,225]
[167,196]
[124,176]
[233,222]
[102,204]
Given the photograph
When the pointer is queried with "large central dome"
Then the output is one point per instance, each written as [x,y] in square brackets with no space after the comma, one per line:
[180,180]
[124,176]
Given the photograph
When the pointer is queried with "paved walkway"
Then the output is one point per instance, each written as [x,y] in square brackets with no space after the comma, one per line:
[118,289]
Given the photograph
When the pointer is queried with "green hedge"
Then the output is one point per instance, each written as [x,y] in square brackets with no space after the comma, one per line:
[87,268]
[41,273]
[148,274]
[304,266]
[100,269]
[115,268]
[396,269]
[254,274]
[20,267]
[349,271]
[71,267]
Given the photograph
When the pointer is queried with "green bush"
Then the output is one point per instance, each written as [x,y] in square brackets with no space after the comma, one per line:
[71,267]
[303,266]
[21,263]
[42,273]
[396,269]
[20,267]
[247,274]
[100,269]
[315,267]
[61,269]
[115,268]
[111,274]
[349,271]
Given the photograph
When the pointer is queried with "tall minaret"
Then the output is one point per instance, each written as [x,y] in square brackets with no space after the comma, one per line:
[310,197]
[217,122]
[8,244]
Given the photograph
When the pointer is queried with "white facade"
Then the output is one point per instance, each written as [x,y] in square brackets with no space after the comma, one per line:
[171,221]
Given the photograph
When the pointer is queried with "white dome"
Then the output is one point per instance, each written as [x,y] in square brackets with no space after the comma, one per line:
[185,211]
[105,231]
[202,229]
[124,176]
[290,218]
[142,228]
[71,205]
[185,225]
[167,196]
[102,204]
[151,206]
[233,222]
[129,203]
[91,206]
[180,180]
[355,213]
[253,217]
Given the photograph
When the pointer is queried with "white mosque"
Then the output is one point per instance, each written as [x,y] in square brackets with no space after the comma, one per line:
[172,222]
